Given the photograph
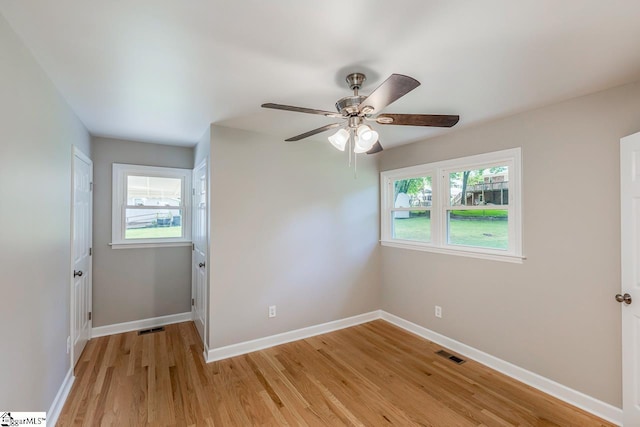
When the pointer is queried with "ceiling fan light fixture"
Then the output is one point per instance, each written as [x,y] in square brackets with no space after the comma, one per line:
[365,138]
[358,148]
[366,134]
[339,139]
[362,146]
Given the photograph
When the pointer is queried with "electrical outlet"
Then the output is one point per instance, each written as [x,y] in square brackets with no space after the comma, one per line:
[68,345]
[438,311]
[272,311]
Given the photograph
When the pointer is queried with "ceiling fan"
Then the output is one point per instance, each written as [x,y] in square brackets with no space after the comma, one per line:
[357,109]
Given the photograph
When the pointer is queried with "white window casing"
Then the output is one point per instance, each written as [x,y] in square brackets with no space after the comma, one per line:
[121,173]
[441,205]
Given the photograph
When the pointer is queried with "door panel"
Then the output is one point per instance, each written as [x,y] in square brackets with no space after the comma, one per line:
[82,223]
[200,249]
[630,257]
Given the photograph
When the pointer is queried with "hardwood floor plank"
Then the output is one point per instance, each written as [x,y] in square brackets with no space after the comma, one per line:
[373,374]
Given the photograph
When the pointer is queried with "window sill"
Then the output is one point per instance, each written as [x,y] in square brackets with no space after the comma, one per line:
[139,245]
[458,252]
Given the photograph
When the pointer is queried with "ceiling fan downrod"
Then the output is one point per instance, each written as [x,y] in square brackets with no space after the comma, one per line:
[349,105]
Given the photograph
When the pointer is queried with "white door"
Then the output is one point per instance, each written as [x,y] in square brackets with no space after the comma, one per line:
[200,249]
[82,202]
[629,296]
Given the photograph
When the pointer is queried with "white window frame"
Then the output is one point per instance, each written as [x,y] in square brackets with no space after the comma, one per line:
[119,205]
[440,205]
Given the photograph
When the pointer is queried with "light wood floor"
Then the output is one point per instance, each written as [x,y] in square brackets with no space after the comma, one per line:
[369,375]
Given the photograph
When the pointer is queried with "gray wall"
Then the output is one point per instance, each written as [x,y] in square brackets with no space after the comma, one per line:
[37,130]
[290,226]
[555,314]
[134,284]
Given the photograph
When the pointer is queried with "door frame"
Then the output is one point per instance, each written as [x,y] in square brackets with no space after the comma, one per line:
[205,339]
[76,152]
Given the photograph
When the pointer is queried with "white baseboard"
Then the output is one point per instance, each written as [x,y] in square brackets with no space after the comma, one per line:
[135,325]
[205,353]
[261,343]
[564,393]
[61,397]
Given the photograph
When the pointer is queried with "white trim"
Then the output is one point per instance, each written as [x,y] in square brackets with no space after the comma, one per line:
[77,152]
[61,397]
[135,325]
[261,343]
[133,245]
[562,392]
[205,353]
[458,252]
[119,205]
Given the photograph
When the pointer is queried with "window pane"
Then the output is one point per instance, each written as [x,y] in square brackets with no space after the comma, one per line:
[153,191]
[482,187]
[412,225]
[412,192]
[487,228]
[153,223]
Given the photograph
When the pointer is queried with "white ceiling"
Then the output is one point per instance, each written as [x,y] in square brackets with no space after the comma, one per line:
[162,70]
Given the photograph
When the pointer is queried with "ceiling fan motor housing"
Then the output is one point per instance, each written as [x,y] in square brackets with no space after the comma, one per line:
[348,105]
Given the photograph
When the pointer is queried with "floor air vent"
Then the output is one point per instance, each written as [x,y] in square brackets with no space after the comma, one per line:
[151,331]
[447,355]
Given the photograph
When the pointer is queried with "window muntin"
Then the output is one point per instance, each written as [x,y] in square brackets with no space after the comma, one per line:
[485,222]
[151,205]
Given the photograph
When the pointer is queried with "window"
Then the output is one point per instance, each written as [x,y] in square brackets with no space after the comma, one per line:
[151,206]
[469,206]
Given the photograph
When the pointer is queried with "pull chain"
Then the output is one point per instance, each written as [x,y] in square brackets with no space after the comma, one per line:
[355,166]
[355,156]
[350,136]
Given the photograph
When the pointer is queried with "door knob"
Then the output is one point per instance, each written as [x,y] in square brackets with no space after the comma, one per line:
[201,265]
[626,298]
[77,273]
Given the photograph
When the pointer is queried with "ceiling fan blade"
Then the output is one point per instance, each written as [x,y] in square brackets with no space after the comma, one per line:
[301,110]
[435,120]
[395,87]
[375,149]
[313,132]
